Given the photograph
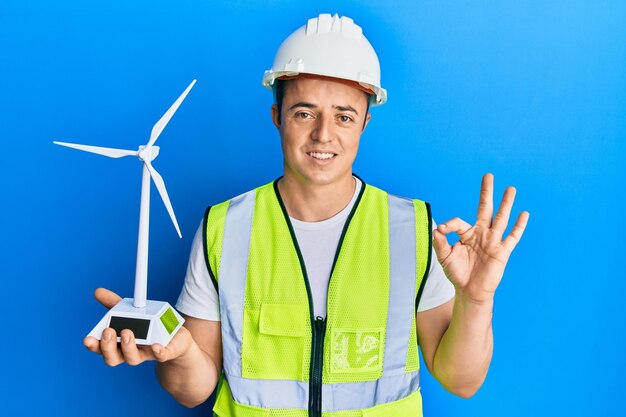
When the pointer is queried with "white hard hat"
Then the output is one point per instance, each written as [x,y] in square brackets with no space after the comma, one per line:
[329,46]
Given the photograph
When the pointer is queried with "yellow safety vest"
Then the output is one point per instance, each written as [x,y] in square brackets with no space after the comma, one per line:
[280,360]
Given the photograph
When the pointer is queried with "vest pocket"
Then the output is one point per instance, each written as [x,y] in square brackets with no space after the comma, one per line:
[274,342]
[281,320]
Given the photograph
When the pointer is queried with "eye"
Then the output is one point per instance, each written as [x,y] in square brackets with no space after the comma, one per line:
[345,119]
[303,115]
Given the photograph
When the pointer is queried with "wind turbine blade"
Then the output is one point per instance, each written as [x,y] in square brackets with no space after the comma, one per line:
[160,185]
[160,125]
[110,152]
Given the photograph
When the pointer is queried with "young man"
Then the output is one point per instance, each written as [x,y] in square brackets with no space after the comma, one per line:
[326,284]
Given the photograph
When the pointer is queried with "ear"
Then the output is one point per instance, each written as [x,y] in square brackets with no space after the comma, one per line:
[275,116]
[367,120]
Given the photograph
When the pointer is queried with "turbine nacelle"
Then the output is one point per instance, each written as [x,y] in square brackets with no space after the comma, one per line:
[148,154]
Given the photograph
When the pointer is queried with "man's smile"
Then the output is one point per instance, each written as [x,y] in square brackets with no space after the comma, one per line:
[322,156]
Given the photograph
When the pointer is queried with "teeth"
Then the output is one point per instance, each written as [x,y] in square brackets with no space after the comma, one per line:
[320,155]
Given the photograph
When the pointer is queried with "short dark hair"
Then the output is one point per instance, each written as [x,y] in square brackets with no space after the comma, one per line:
[279,94]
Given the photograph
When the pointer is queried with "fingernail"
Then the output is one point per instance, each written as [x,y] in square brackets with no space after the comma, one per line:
[106,336]
[125,338]
[442,226]
[157,350]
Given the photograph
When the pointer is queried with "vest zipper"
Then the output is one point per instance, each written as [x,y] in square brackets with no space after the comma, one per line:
[317,361]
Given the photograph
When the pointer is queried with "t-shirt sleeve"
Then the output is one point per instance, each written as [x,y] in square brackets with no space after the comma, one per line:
[438,288]
[198,297]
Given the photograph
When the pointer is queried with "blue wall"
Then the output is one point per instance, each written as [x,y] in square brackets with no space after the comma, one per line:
[532,91]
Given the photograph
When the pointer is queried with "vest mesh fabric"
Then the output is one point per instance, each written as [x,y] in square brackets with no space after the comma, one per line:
[355,333]
[215,235]
[281,286]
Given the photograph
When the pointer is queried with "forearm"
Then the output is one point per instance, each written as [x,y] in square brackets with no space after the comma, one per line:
[191,378]
[464,353]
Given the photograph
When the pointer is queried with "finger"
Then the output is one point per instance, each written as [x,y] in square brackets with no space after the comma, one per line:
[516,233]
[440,242]
[441,245]
[133,355]
[456,225]
[92,344]
[502,216]
[107,298]
[111,353]
[485,204]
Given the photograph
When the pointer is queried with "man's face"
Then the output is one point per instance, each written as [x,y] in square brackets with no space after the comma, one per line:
[320,126]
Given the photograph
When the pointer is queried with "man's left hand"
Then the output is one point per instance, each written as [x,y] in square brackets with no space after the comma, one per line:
[475,264]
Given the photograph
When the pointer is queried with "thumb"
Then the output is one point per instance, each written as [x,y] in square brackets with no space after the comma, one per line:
[161,353]
[180,344]
[107,298]
[441,245]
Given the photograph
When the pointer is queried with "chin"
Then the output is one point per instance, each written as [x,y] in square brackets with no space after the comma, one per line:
[319,176]
[325,178]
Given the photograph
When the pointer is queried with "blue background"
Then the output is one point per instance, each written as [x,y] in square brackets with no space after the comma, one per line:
[532,91]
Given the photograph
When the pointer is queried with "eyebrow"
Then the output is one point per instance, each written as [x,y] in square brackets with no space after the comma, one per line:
[313,106]
[303,104]
[347,108]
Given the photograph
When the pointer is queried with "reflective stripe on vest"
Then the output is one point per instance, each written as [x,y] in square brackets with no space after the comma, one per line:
[408,258]
[234,264]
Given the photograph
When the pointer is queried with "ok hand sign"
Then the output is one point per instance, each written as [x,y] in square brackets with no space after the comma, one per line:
[475,264]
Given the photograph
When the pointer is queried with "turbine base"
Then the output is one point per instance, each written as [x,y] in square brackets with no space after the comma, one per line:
[157,322]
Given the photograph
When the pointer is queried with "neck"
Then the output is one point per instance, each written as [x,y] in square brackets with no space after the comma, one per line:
[314,202]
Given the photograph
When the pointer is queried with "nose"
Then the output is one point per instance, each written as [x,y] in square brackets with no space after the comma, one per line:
[323,131]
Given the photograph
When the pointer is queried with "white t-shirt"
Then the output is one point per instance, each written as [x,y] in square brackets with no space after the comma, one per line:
[318,242]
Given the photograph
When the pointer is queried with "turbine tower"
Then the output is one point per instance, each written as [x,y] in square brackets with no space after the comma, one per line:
[140,315]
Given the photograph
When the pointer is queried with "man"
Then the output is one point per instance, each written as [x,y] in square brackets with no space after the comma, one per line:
[326,285]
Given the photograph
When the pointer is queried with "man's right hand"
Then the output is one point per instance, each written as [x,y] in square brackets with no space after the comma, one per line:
[128,351]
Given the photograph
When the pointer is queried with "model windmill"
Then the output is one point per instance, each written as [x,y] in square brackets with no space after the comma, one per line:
[150,321]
